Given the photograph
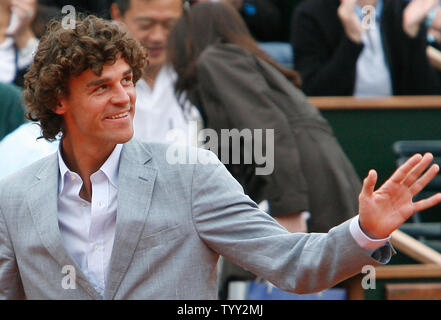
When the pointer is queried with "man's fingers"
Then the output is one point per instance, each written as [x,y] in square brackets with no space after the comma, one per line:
[401,173]
[424,180]
[427,203]
[417,170]
[369,183]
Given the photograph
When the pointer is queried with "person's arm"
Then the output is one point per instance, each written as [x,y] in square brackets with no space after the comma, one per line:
[10,282]
[233,226]
[322,74]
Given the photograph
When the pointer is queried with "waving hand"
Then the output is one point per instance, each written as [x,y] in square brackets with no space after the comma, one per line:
[386,209]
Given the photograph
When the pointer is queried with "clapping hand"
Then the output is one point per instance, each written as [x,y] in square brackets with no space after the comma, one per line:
[415,13]
[350,20]
[385,210]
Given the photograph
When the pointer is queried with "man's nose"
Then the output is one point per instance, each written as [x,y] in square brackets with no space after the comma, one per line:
[158,33]
[120,95]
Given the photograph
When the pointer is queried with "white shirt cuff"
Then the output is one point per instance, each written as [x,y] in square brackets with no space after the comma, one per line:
[362,239]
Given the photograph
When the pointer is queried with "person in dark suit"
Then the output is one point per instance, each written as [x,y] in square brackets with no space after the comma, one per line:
[339,51]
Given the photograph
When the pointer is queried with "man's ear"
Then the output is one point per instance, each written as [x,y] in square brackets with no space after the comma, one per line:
[60,108]
[115,13]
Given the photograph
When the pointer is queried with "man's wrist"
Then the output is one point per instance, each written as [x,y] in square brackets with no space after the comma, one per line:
[364,240]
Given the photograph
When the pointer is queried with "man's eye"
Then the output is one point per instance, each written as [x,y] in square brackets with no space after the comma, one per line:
[128,80]
[145,26]
[101,88]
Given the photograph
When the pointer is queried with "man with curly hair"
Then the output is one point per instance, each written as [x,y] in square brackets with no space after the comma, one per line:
[161,116]
[108,217]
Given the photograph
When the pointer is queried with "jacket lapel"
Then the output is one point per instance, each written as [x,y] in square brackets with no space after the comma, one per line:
[43,205]
[136,179]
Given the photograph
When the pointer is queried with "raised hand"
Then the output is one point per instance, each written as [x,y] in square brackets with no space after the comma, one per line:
[385,210]
[415,13]
[25,11]
[351,22]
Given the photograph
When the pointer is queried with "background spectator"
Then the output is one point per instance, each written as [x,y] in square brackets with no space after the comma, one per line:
[337,54]
[17,39]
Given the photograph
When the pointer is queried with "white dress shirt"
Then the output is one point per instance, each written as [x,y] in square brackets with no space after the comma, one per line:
[88,228]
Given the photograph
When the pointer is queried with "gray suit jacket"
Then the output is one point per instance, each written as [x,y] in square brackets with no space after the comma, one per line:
[173,222]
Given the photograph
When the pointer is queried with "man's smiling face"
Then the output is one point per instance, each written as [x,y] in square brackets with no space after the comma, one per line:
[99,110]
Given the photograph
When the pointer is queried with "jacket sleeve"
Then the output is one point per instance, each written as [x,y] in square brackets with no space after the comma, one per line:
[231,224]
[231,86]
[325,71]
[10,282]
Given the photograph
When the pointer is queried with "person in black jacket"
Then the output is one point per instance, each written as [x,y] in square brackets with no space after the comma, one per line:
[335,52]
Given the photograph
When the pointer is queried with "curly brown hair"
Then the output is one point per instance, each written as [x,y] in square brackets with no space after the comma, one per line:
[62,53]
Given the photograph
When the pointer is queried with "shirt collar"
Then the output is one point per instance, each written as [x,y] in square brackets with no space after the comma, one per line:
[110,168]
